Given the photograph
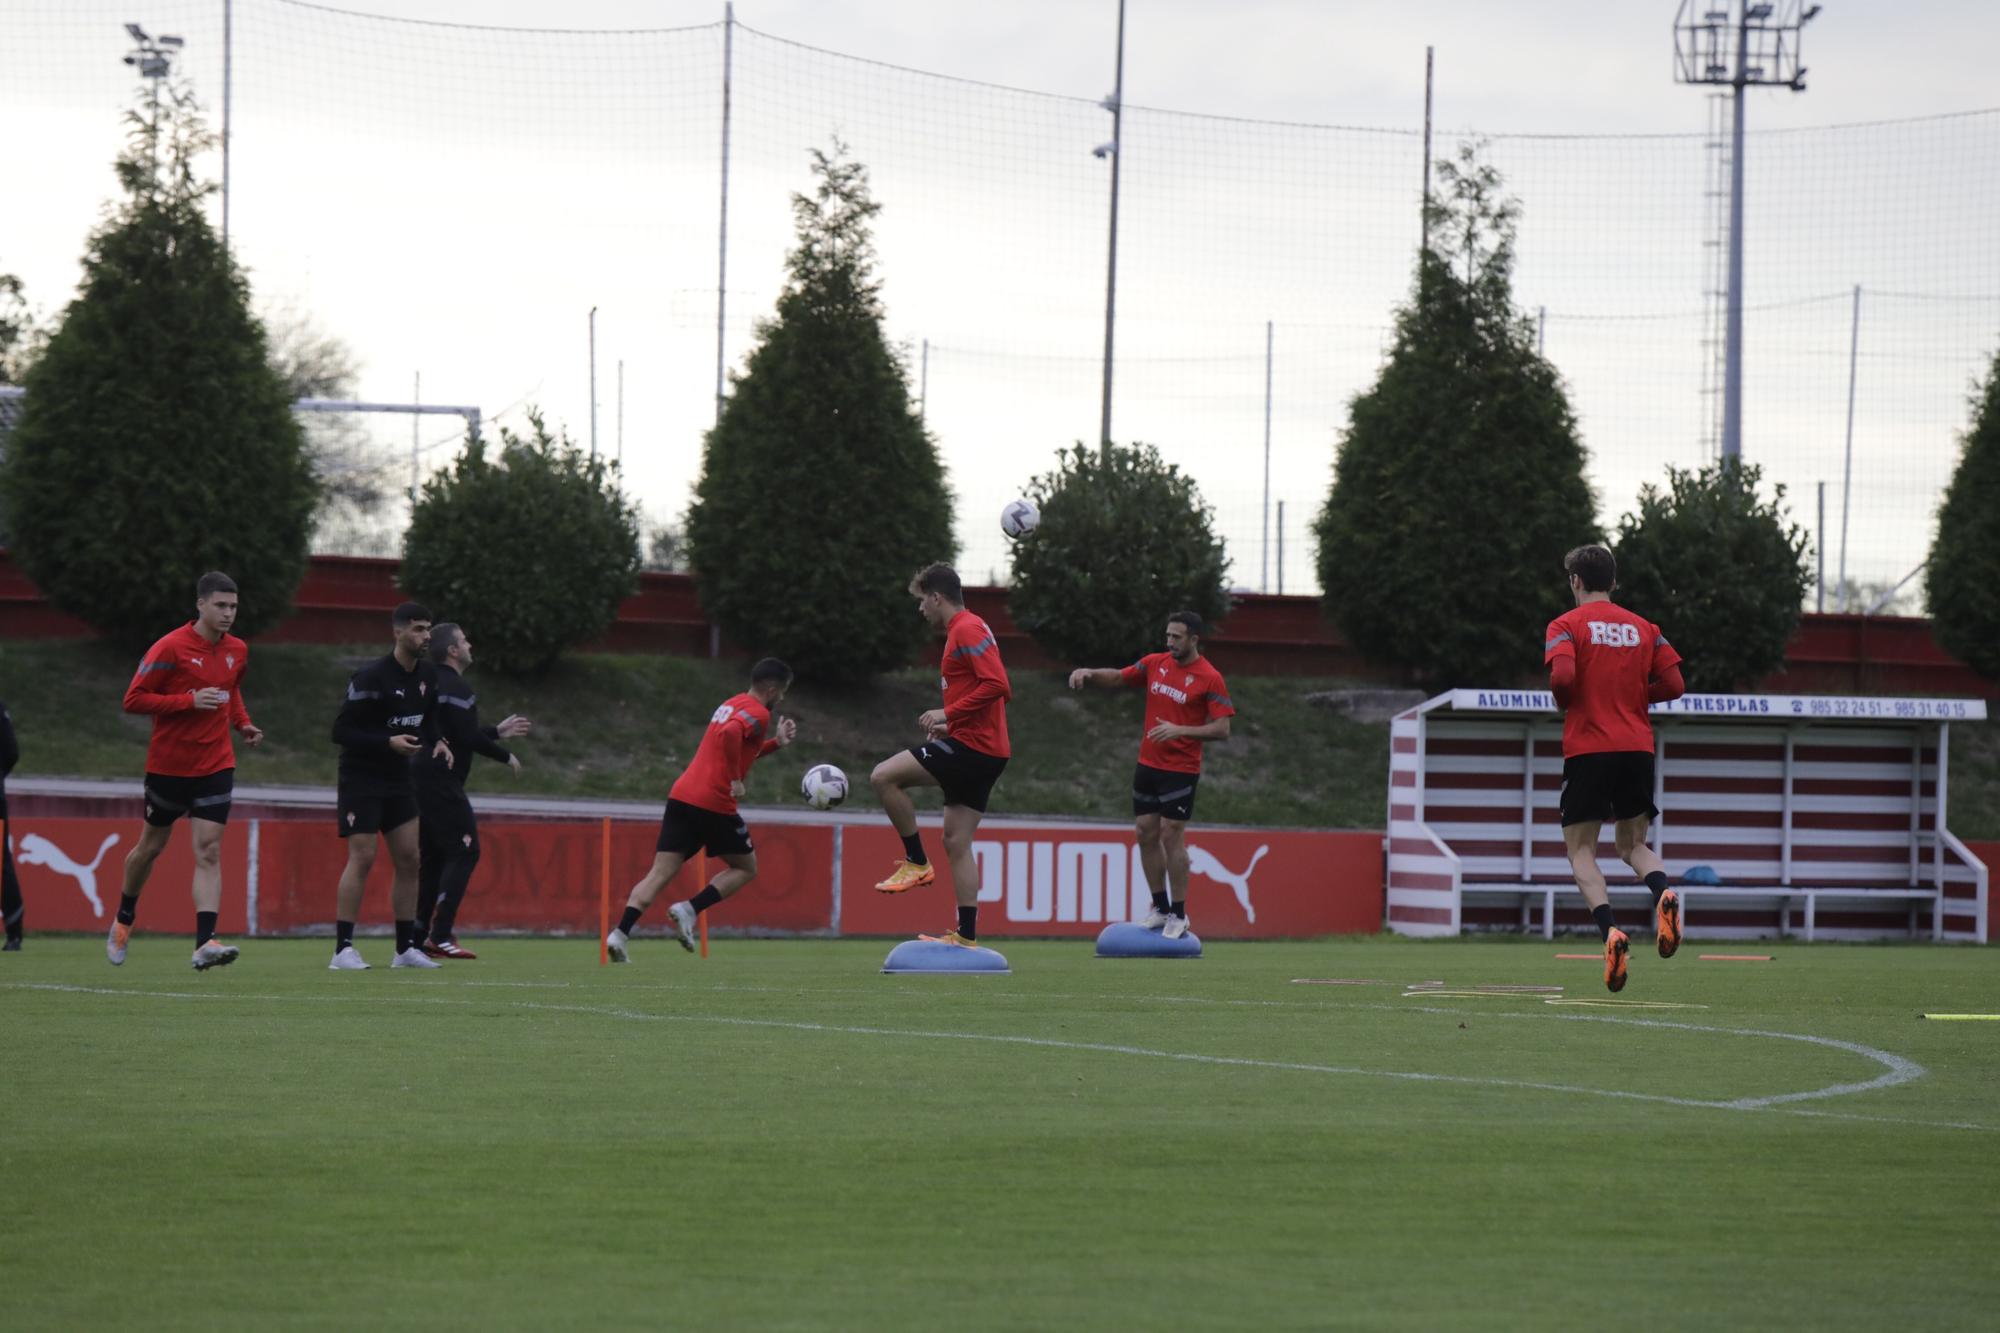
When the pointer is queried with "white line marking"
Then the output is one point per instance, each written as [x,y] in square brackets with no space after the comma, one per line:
[1898,1070]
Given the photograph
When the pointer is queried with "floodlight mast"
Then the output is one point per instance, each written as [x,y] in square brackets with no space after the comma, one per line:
[153,58]
[1742,44]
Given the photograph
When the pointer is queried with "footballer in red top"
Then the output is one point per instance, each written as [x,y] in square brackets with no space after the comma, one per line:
[701,808]
[190,684]
[1187,706]
[964,750]
[1607,666]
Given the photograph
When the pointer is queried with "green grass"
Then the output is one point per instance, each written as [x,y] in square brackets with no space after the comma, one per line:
[782,1138]
[625,726]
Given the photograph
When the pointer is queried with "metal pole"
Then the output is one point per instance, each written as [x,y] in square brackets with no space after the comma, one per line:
[1820,602]
[1732,372]
[924,384]
[593,384]
[1541,328]
[1847,465]
[228,52]
[1264,578]
[722,239]
[1281,548]
[416,399]
[1425,211]
[1111,264]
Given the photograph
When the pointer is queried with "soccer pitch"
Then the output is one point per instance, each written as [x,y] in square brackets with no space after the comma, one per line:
[782,1137]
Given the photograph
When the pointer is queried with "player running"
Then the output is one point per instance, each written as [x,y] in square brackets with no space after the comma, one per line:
[701,813]
[378,730]
[1606,666]
[1187,706]
[189,682]
[964,751]
[447,833]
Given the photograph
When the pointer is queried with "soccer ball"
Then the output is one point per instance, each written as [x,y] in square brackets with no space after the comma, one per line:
[1019,519]
[823,786]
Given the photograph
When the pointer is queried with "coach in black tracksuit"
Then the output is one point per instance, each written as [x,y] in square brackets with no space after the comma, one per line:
[10,885]
[448,833]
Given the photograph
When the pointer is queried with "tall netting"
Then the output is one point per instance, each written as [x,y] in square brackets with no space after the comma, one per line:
[453,200]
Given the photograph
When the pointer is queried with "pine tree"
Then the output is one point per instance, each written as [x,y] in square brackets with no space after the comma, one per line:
[155,442]
[1459,485]
[821,492]
[1962,581]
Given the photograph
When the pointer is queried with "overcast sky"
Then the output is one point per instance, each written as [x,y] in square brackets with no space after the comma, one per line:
[453,201]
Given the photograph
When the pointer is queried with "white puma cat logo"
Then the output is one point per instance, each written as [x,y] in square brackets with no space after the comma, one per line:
[1203,862]
[39,851]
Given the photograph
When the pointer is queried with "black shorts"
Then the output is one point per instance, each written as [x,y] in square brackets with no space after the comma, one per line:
[206,797]
[448,828]
[1163,792]
[1617,784]
[967,775]
[686,829]
[369,808]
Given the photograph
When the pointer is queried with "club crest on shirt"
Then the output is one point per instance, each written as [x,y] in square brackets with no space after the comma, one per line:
[466,839]
[350,819]
[229,660]
[1187,680]
[423,687]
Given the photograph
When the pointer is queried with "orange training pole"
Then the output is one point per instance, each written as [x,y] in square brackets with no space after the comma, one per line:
[604,896]
[704,916]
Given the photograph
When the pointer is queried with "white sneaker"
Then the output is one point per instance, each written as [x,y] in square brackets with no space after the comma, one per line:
[1176,927]
[683,918]
[214,954]
[347,960]
[414,957]
[614,945]
[115,941]
[1155,919]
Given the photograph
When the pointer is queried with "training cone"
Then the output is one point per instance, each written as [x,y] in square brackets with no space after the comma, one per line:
[1129,939]
[936,956]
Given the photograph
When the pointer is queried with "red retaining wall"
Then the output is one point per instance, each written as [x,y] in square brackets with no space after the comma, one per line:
[347,599]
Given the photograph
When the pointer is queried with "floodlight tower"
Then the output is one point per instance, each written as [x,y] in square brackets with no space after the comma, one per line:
[1741,44]
[154,59]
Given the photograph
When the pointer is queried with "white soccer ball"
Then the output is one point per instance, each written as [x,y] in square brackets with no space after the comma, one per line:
[1019,519]
[823,786]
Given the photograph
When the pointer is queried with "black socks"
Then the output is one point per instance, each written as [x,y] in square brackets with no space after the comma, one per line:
[407,936]
[704,900]
[1178,909]
[1605,922]
[1159,901]
[128,910]
[913,849]
[343,935]
[204,928]
[628,922]
[968,923]
[1657,882]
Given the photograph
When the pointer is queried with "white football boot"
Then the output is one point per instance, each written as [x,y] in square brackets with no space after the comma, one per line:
[614,946]
[1176,927]
[347,960]
[414,957]
[683,919]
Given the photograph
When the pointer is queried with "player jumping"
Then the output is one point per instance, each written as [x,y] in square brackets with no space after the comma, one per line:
[1606,666]
[1187,705]
[701,814]
[189,682]
[964,751]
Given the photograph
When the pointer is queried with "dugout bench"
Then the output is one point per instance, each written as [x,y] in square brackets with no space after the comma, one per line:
[1822,816]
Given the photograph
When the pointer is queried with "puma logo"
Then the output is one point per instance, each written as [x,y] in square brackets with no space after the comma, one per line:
[39,851]
[1202,862]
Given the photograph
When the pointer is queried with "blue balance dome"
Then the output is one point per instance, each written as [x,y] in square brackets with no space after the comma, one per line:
[936,956]
[1129,939]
